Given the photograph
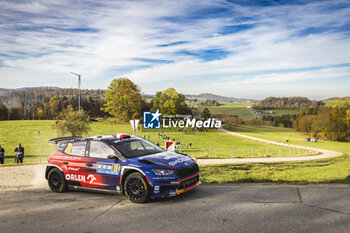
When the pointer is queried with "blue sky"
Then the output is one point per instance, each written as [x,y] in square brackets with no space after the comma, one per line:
[240,48]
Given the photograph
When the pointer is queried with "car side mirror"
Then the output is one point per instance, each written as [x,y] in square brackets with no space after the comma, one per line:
[112,157]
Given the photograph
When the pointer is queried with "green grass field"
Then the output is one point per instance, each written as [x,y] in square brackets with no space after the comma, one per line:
[283,111]
[279,134]
[331,102]
[336,170]
[239,109]
[37,148]
[322,171]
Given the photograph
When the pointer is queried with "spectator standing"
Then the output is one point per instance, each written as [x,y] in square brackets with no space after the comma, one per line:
[2,155]
[19,153]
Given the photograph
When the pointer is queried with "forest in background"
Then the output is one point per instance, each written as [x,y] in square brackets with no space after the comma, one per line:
[47,103]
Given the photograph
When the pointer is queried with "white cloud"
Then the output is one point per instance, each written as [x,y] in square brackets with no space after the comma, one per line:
[43,43]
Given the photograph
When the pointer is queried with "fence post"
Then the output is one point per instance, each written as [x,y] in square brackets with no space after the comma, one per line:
[290,151]
[210,151]
[267,151]
[233,151]
[279,151]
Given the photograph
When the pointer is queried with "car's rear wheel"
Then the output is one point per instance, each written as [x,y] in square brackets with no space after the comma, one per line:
[136,188]
[56,180]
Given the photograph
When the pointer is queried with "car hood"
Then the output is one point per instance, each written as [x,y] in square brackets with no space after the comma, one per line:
[169,159]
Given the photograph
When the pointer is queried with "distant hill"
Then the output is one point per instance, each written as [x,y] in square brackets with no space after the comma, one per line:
[338,98]
[29,95]
[4,90]
[295,103]
[210,96]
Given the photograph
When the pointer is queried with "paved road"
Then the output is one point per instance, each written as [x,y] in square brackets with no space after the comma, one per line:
[323,154]
[209,208]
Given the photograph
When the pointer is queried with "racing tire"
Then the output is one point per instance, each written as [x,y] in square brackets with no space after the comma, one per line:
[136,188]
[56,181]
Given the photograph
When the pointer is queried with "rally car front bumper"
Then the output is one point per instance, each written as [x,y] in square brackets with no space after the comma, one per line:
[174,188]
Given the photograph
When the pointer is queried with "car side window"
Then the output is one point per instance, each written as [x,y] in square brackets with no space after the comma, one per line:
[148,146]
[100,150]
[136,145]
[76,148]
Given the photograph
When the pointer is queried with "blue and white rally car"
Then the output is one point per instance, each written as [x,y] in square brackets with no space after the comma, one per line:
[121,163]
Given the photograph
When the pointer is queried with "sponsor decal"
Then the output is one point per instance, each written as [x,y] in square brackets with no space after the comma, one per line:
[164,178]
[65,157]
[68,148]
[168,157]
[91,178]
[80,178]
[108,168]
[74,169]
[156,189]
[172,194]
[180,160]
[151,120]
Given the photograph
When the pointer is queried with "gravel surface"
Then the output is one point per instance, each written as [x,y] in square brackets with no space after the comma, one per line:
[15,178]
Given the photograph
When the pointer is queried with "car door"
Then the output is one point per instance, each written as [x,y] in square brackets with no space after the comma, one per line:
[74,163]
[104,166]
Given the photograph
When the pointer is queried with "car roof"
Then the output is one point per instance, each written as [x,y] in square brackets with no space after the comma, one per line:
[107,138]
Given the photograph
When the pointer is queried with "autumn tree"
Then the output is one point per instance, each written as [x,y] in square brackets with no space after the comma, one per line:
[339,124]
[3,112]
[72,122]
[41,114]
[123,99]
[206,113]
[16,113]
[331,123]
[170,102]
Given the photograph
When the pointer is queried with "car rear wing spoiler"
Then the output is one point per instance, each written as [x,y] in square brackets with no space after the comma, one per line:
[57,140]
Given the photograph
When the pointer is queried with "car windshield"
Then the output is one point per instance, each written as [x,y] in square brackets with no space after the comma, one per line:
[132,148]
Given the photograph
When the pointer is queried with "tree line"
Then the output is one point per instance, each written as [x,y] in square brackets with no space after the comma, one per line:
[286,103]
[46,103]
[326,122]
[122,100]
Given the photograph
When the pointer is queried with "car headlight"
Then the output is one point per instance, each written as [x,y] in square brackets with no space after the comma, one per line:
[162,172]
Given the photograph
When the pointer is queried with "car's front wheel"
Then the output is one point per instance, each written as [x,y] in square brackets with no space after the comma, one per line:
[136,188]
[56,180]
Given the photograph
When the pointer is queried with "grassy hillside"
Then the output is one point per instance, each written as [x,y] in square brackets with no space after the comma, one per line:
[222,145]
[239,109]
[336,170]
[282,111]
[331,102]
[279,134]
